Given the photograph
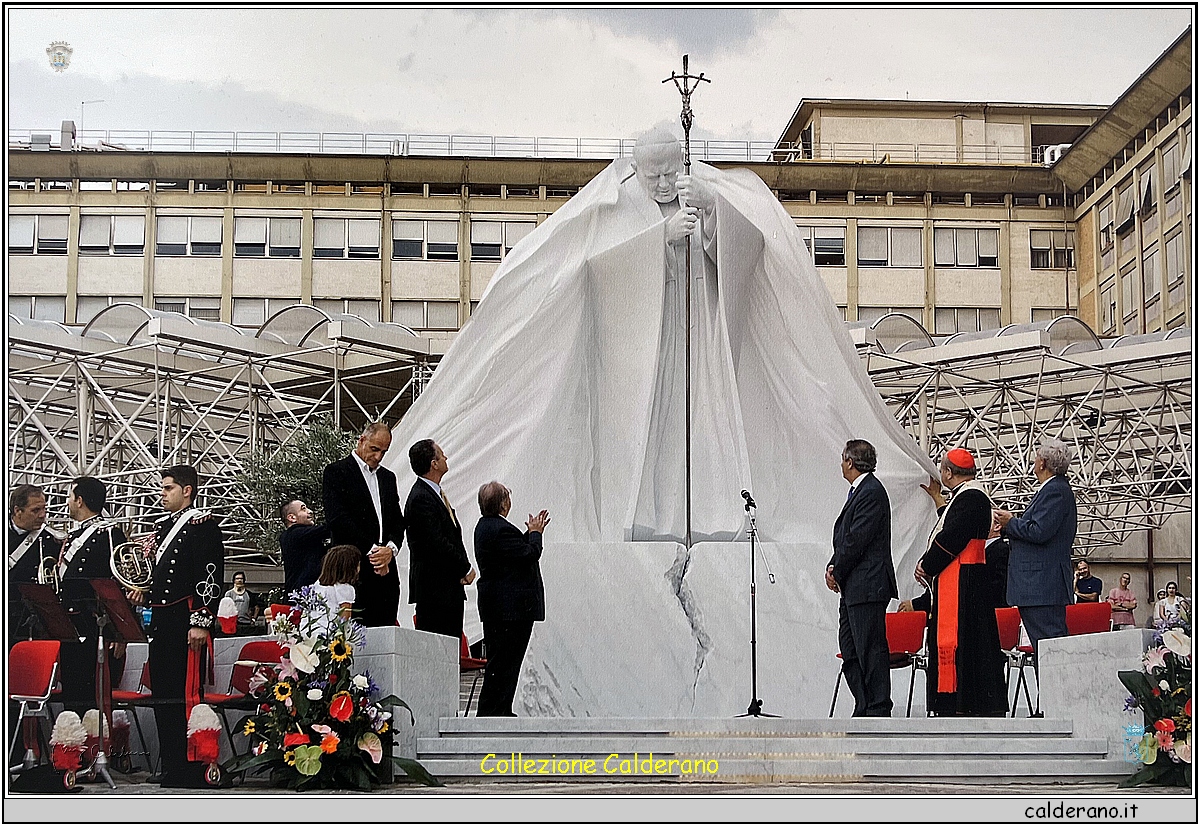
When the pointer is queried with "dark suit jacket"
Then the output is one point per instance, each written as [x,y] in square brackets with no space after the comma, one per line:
[1039,562]
[437,559]
[510,580]
[303,550]
[862,546]
[351,518]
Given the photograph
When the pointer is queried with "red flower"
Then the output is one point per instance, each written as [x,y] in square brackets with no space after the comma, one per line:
[1155,691]
[1165,724]
[1187,707]
[341,706]
[296,738]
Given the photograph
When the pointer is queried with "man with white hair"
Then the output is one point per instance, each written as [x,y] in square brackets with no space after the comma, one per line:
[1040,580]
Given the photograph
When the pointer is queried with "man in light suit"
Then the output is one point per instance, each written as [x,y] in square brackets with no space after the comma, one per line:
[438,567]
[861,571]
[362,508]
[1040,582]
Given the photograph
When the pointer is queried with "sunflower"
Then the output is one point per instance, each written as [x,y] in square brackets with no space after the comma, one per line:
[248,729]
[289,757]
[339,650]
[383,728]
[283,690]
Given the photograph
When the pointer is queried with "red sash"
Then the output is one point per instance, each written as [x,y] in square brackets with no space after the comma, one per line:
[946,595]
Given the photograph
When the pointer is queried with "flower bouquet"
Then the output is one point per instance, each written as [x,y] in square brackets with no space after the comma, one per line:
[319,725]
[1162,689]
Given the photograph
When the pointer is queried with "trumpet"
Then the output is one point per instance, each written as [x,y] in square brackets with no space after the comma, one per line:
[132,563]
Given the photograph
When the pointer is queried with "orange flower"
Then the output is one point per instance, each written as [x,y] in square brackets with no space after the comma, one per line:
[329,743]
[341,706]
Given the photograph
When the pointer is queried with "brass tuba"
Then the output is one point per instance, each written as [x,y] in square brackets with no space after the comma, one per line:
[47,569]
[132,563]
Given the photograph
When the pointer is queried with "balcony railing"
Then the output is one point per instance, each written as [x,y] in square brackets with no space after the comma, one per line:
[511,146]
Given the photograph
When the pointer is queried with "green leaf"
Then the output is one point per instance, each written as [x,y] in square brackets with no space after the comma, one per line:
[393,700]
[416,771]
[251,761]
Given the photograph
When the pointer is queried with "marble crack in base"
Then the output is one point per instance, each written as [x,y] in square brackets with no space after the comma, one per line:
[676,575]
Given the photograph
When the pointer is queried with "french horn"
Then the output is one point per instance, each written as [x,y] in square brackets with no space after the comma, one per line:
[132,563]
[47,569]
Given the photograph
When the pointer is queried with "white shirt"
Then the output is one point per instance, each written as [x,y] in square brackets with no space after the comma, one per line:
[436,487]
[372,480]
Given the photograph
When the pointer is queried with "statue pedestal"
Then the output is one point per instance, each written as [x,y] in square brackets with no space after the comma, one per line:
[418,667]
[1079,682]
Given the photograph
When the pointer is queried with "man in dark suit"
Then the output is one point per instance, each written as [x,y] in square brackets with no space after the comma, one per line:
[1040,582]
[861,571]
[438,567]
[362,508]
[302,545]
[511,596]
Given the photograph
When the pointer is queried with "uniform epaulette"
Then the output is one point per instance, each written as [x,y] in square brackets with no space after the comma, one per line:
[203,516]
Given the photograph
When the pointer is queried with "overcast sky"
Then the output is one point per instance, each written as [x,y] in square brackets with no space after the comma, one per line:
[554,72]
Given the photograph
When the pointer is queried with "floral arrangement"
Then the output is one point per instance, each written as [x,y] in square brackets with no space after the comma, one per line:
[319,725]
[1162,689]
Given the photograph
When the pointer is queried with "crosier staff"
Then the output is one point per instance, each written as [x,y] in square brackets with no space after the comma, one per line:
[686,84]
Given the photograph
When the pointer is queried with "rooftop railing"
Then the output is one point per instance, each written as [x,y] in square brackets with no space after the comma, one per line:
[509,146]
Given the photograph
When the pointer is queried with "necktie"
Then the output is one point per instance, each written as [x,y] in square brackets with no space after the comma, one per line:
[446,502]
[850,494]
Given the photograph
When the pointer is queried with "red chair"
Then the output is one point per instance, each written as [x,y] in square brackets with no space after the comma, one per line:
[906,649]
[32,673]
[1089,618]
[1008,623]
[254,657]
[131,701]
[467,663]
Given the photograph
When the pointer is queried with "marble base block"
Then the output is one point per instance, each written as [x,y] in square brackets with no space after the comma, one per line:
[1079,681]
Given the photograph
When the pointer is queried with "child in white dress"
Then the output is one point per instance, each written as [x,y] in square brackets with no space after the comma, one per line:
[339,572]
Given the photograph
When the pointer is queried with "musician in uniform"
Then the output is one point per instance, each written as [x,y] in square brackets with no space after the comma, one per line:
[33,549]
[86,555]
[184,592]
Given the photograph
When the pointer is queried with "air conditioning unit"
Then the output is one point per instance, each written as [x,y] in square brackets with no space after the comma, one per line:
[39,142]
[1051,154]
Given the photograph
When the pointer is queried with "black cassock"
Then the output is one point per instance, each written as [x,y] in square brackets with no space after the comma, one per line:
[978,661]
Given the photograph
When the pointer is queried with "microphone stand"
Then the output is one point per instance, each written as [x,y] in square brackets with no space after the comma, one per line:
[756,704]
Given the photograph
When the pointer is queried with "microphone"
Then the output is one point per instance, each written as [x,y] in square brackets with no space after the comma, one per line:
[749,499]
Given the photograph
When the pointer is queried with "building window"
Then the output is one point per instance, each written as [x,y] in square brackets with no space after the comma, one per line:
[1126,208]
[180,235]
[37,234]
[88,306]
[1037,314]
[426,315]
[40,307]
[1147,203]
[252,234]
[1172,166]
[202,308]
[1129,295]
[365,308]
[964,247]
[889,247]
[827,245]
[253,312]
[1151,283]
[873,314]
[1108,307]
[492,240]
[1051,249]
[1105,217]
[949,320]
[1176,270]
[424,240]
[112,234]
[345,238]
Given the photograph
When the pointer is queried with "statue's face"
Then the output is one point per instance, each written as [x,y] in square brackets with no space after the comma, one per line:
[657,167]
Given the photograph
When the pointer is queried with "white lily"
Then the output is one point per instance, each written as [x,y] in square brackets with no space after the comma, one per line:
[303,655]
[1177,642]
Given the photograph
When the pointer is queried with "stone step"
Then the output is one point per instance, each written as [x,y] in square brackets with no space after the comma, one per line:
[942,727]
[544,745]
[785,769]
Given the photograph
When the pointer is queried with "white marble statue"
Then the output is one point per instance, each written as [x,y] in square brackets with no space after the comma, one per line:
[567,386]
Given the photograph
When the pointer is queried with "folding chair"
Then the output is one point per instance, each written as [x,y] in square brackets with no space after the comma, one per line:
[467,663]
[32,673]
[1089,618]
[254,656]
[906,649]
[1008,623]
[131,701]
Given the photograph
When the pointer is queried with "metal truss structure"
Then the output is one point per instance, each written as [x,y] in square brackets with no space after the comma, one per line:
[137,390]
[1123,405]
